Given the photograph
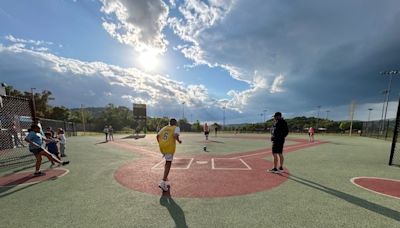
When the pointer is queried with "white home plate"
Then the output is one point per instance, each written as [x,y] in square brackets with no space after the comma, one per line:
[201,162]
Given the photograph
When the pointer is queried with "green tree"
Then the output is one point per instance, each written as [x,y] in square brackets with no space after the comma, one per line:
[345,125]
[59,113]
[197,126]
[184,125]
[10,91]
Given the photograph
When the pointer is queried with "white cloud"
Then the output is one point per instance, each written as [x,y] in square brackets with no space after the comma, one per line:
[196,17]
[137,23]
[13,39]
[277,84]
[97,83]
[172,3]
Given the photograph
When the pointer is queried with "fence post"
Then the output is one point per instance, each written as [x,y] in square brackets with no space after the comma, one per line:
[33,109]
[74,129]
[395,133]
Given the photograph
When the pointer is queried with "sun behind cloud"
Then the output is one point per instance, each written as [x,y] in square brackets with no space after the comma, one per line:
[149,60]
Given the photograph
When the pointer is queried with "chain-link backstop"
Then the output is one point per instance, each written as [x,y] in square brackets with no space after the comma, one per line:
[15,120]
[16,117]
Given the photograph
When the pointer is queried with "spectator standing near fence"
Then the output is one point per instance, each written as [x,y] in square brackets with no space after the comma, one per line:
[278,134]
[14,133]
[105,130]
[39,124]
[49,129]
[51,145]
[110,133]
[63,141]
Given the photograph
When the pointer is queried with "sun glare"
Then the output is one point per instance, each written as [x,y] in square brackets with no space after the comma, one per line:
[148,60]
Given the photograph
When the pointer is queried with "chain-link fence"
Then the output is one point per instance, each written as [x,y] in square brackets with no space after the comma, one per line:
[15,120]
[16,117]
[376,129]
[69,127]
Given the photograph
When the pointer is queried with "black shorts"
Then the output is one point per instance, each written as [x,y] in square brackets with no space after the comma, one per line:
[277,147]
[206,132]
[35,151]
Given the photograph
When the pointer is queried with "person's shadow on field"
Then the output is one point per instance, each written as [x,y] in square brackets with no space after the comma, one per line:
[360,202]
[174,210]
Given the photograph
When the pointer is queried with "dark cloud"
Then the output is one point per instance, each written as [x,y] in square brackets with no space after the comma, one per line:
[330,52]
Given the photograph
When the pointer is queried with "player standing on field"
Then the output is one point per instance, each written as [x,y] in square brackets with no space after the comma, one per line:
[206,130]
[166,138]
[311,132]
[278,134]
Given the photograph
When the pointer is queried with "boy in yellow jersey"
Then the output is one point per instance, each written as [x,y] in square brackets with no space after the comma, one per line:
[166,138]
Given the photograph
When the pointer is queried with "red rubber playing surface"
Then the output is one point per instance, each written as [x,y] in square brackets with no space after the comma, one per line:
[28,177]
[382,186]
[205,176]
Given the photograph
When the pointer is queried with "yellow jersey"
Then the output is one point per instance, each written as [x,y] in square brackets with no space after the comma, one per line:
[167,141]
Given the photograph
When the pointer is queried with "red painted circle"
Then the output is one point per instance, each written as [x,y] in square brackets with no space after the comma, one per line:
[382,186]
[28,177]
[200,180]
[205,176]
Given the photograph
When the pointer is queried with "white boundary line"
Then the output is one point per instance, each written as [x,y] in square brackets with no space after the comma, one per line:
[352,180]
[267,152]
[34,182]
[213,164]
[187,167]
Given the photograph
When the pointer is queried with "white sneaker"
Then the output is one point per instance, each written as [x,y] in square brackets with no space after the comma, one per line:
[163,185]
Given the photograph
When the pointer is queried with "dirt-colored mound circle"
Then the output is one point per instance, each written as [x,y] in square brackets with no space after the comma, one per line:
[205,176]
[23,178]
[382,186]
[228,177]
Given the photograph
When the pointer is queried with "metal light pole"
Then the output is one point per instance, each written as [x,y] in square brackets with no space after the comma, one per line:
[223,118]
[83,120]
[33,104]
[327,113]
[383,111]
[183,110]
[319,109]
[265,111]
[390,73]
[369,113]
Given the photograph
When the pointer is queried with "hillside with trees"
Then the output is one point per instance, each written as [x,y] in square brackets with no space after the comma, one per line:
[121,118]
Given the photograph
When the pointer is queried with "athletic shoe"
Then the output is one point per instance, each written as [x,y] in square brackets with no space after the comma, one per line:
[281,170]
[65,163]
[163,186]
[39,173]
[274,170]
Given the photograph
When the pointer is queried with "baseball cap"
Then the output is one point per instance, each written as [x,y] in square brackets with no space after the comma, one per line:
[277,114]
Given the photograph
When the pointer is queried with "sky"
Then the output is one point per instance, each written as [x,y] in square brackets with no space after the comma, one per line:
[202,59]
